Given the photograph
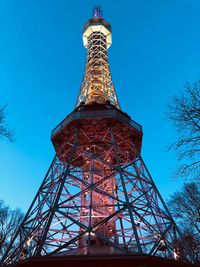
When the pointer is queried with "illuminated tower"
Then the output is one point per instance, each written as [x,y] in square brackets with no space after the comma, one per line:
[97,197]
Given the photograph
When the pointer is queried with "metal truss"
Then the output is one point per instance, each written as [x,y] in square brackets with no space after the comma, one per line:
[98,201]
[97,85]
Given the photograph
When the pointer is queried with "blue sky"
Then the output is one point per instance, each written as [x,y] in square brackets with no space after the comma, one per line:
[155,51]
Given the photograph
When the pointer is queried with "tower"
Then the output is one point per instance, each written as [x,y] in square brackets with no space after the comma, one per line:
[97,197]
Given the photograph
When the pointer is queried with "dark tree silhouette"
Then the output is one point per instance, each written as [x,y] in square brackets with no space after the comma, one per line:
[184,112]
[184,206]
[9,221]
[5,131]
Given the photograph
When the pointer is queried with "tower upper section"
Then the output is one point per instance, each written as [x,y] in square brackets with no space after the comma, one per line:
[97,86]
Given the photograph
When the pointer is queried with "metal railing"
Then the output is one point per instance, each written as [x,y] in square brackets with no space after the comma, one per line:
[96,114]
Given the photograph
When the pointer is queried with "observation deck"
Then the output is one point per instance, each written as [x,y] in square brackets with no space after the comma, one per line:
[94,123]
[97,112]
[97,25]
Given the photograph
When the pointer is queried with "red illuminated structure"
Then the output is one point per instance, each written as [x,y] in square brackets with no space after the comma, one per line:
[97,197]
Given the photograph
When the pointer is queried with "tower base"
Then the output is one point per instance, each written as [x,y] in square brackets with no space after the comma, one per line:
[102,261]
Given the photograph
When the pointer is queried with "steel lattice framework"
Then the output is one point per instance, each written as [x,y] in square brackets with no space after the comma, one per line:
[97,196]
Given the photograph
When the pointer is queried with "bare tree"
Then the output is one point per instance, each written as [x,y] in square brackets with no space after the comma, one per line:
[5,131]
[184,206]
[9,221]
[184,112]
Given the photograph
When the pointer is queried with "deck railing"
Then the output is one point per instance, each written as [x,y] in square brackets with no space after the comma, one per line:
[113,113]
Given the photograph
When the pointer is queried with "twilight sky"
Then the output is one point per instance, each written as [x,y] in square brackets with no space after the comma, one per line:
[156,49]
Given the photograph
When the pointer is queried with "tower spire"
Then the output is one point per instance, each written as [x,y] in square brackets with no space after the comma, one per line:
[97,86]
[97,12]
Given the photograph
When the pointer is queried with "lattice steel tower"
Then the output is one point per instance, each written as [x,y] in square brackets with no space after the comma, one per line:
[97,196]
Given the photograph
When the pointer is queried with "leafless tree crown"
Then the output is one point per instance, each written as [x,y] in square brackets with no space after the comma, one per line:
[9,222]
[184,206]
[184,112]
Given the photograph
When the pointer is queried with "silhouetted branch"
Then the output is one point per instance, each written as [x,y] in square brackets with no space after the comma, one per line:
[5,131]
